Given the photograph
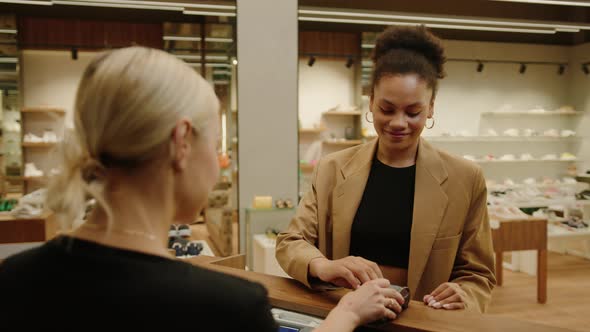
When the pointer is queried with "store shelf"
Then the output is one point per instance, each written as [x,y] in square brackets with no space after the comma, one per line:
[344,143]
[525,161]
[24,178]
[554,231]
[493,139]
[502,187]
[343,113]
[38,145]
[528,113]
[43,110]
[311,130]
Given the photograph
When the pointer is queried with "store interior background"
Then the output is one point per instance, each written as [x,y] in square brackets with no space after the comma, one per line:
[324,66]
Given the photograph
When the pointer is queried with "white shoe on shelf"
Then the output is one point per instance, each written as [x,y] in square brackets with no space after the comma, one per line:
[491,132]
[32,138]
[568,180]
[512,132]
[464,133]
[470,157]
[509,182]
[537,110]
[529,132]
[32,171]
[568,133]
[550,156]
[526,156]
[530,181]
[508,157]
[49,136]
[568,156]
[551,133]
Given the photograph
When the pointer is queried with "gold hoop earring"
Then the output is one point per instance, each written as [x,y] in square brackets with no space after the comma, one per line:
[431,126]
[367,117]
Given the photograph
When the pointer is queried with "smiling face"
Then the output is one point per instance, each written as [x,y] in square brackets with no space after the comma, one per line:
[400,105]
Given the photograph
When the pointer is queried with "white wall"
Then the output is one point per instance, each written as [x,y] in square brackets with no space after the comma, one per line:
[580,96]
[326,84]
[50,78]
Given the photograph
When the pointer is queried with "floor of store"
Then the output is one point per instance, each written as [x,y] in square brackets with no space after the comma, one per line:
[568,294]
[568,290]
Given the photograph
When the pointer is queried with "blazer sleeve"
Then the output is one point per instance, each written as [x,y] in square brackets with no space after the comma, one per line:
[474,267]
[297,246]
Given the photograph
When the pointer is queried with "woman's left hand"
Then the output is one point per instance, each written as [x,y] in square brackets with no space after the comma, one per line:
[448,295]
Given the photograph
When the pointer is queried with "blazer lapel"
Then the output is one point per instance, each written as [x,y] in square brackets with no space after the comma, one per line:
[430,203]
[347,197]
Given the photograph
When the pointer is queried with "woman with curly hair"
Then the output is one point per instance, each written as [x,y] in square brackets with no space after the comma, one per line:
[396,206]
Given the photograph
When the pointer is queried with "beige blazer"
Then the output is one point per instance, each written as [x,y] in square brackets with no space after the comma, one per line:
[450,237]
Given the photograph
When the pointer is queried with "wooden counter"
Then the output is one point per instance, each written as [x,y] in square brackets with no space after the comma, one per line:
[291,295]
[36,229]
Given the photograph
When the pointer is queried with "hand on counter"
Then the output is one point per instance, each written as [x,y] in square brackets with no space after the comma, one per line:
[349,272]
[370,302]
[448,295]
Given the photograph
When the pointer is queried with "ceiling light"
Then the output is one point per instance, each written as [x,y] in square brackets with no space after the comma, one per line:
[421,19]
[367,46]
[115,5]
[234,62]
[27,2]
[11,31]
[435,25]
[522,69]
[208,13]
[551,2]
[311,61]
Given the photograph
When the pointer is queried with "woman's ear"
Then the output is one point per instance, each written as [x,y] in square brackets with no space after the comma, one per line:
[180,144]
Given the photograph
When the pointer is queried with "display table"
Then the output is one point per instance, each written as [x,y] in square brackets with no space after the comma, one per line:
[523,234]
[291,295]
[36,229]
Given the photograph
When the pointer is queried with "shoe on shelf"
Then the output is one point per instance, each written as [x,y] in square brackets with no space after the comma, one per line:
[526,156]
[568,133]
[508,157]
[568,156]
[550,156]
[49,136]
[193,249]
[512,132]
[184,230]
[32,171]
[537,110]
[491,132]
[529,132]
[469,157]
[173,232]
[530,181]
[179,250]
[490,157]
[551,133]
[509,182]
[32,138]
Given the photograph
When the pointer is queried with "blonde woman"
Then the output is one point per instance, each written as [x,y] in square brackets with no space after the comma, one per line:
[144,146]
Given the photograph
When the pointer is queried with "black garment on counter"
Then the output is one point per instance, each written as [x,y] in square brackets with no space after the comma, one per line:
[106,288]
[383,221]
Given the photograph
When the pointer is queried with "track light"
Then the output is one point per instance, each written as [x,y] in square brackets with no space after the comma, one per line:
[585,68]
[522,68]
[74,53]
[480,67]
[561,69]
[311,61]
[349,62]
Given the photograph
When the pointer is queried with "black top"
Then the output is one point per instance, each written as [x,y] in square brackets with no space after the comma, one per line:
[383,221]
[105,288]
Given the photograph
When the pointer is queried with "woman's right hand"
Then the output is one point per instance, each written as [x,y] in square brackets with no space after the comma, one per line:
[349,272]
[372,301]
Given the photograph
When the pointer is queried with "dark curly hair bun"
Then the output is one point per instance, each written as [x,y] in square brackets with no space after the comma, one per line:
[409,49]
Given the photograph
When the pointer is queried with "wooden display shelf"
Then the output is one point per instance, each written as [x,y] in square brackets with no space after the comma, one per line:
[351,142]
[343,113]
[311,130]
[43,110]
[39,144]
[33,229]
